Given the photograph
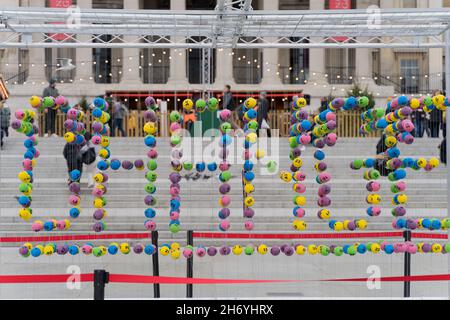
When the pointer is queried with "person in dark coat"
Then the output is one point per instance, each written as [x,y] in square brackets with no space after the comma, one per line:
[73,156]
[263,113]
[381,160]
[50,113]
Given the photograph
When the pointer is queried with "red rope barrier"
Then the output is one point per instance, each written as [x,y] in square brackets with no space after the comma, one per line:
[127,278]
[424,235]
[218,235]
[76,237]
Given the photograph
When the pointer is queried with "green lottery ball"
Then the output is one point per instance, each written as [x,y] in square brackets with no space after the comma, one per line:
[379,112]
[293,142]
[225,176]
[249,250]
[447,223]
[152,165]
[272,166]
[253,125]
[97,252]
[200,105]
[48,102]
[394,189]
[324,250]
[225,127]
[175,139]
[213,104]
[174,116]
[151,176]
[351,250]
[188,165]
[363,102]
[369,246]
[338,251]
[174,228]
[358,163]
[447,247]
[150,187]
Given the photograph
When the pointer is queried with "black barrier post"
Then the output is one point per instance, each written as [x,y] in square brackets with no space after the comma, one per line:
[407,266]
[101,277]
[190,265]
[155,260]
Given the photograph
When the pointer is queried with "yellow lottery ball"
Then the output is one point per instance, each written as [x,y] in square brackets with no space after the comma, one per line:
[104,142]
[67,224]
[436,248]
[98,178]
[25,214]
[150,128]
[175,254]
[103,250]
[438,100]
[414,103]
[98,203]
[324,214]
[390,141]
[237,250]
[421,162]
[249,188]
[24,176]
[312,249]
[69,137]
[262,249]
[103,153]
[402,198]
[285,176]
[420,247]
[338,226]
[375,248]
[301,102]
[124,248]
[251,137]
[249,201]
[299,225]
[250,103]
[361,224]
[297,162]
[260,154]
[300,250]
[300,200]
[433,162]
[188,104]
[164,250]
[35,101]
[175,246]
[49,250]
[28,245]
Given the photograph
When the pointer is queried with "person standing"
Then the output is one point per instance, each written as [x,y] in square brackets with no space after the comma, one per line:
[228,103]
[119,114]
[50,113]
[435,122]
[74,159]
[89,157]
[263,114]
[418,117]
[5,118]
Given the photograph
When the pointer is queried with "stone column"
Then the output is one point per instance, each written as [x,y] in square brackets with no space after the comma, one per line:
[37,55]
[270,55]
[84,55]
[178,58]
[130,66]
[224,68]
[435,58]
[316,55]
[363,60]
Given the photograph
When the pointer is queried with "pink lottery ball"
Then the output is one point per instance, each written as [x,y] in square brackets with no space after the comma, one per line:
[187,253]
[37,153]
[36,227]
[224,225]
[86,249]
[373,186]
[249,225]
[150,225]
[61,225]
[394,224]
[27,164]
[60,100]
[411,247]
[383,245]
[225,115]
[96,192]
[175,126]
[299,176]
[305,139]
[74,200]
[174,215]
[224,166]
[376,211]
[152,154]
[247,155]
[401,186]
[174,191]
[72,114]
[299,212]
[394,104]
[331,139]
[19,114]
[225,201]
[96,139]
[324,177]
[407,125]
[200,252]
[300,188]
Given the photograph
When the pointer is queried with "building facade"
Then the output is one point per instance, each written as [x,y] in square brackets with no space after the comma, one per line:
[172,74]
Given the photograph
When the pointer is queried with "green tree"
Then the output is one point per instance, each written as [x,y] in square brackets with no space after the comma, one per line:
[357,91]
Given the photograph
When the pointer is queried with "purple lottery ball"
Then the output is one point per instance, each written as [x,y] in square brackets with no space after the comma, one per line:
[296,152]
[323,201]
[212,251]
[150,200]
[138,248]
[174,177]
[98,214]
[74,187]
[426,247]
[249,213]
[289,251]
[224,188]
[224,250]
[275,250]
[224,213]
[149,101]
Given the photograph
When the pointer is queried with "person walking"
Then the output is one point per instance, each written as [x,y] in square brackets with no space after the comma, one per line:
[119,114]
[5,118]
[50,113]
[263,114]
[89,157]
[418,118]
[72,154]
[435,122]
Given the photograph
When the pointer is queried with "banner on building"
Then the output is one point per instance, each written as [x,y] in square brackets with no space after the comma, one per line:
[64,4]
[340,5]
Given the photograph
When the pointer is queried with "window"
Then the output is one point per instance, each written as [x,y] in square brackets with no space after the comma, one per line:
[294,4]
[155,64]
[409,3]
[409,73]
[156,4]
[340,65]
[58,61]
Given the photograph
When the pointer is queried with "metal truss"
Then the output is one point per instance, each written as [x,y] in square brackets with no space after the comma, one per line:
[232,24]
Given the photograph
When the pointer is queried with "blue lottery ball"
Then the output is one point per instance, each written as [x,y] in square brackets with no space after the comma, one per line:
[113,249]
[24,200]
[361,248]
[115,164]
[226,140]
[200,167]
[74,250]
[393,152]
[399,174]
[174,204]
[97,112]
[150,213]
[79,139]
[381,124]
[319,155]
[402,100]
[369,163]
[75,175]
[149,249]
[350,103]
[150,141]
[249,175]
[48,226]
[247,144]
[28,143]
[99,102]
[435,224]
[408,162]
[251,114]
[29,154]
[389,248]
[171,222]
[401,223]
[331,224]
[74,213]
[306,125]
[212,166]
[248,165]
[35,252]
[345,248]
[102,165]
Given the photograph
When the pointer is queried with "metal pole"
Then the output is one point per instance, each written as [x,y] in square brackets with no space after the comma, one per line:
[407,266]
[447,124]
[190,265]
[155,260]
[101,277]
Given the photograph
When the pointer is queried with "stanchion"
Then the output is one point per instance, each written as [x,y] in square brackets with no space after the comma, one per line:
[101,277]
[407,266]
[190,265]
[155,260]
